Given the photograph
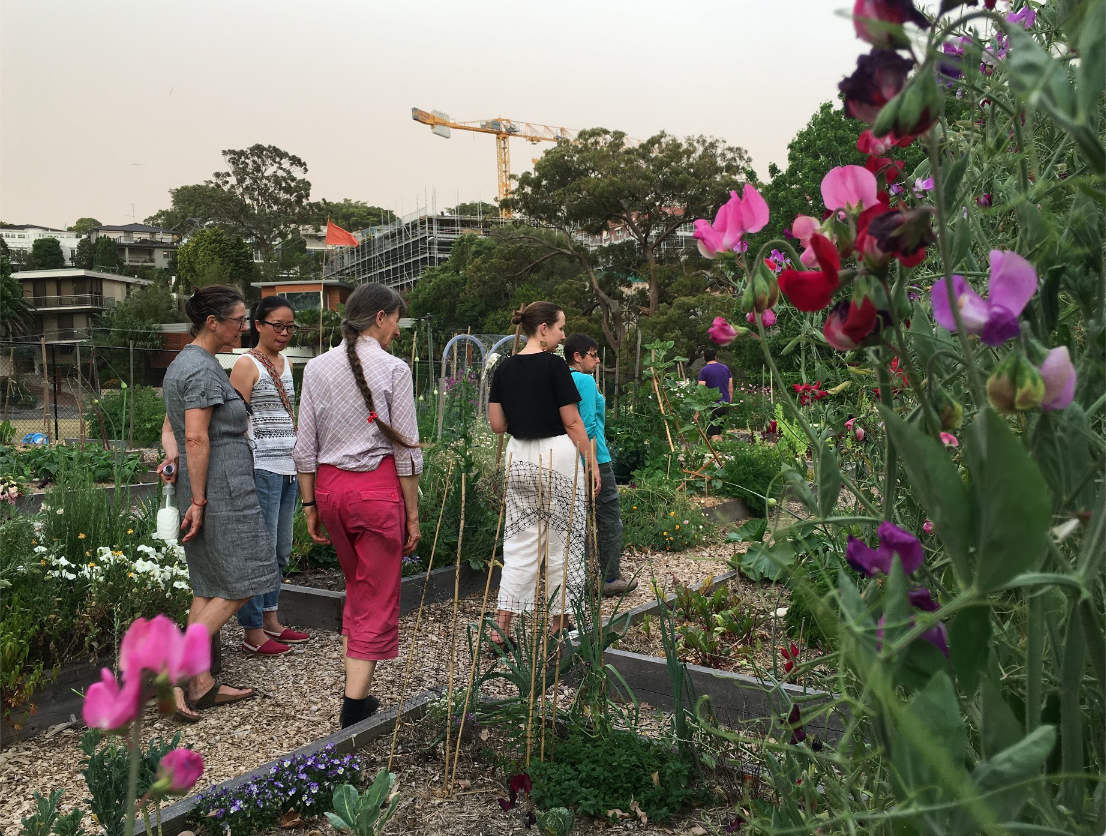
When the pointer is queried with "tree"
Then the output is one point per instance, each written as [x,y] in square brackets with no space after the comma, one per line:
[83,226]
[137,317]
[211,256]
[265,197]
[105,256]
[192,208]
[475,209]
[17,319]
[350,214]
[84,255]
[650,190]
[46,254]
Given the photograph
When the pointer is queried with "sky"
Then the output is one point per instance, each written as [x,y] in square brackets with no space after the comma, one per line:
[106,106]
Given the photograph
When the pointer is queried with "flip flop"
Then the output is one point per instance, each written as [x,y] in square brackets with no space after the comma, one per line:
[180,715]
[213,699]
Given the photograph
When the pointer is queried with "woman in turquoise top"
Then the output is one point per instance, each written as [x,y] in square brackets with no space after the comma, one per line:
[582,355]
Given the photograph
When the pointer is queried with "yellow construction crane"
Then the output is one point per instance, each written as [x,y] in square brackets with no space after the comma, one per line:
[502,129]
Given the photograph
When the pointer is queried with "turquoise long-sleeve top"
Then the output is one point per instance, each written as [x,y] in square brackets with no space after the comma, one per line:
[593,412]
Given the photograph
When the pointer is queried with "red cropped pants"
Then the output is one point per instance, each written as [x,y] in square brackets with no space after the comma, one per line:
[365,516]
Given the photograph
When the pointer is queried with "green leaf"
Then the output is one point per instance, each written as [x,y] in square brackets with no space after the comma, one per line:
[954,175]
[929,749]
[1071,720]
[1061,449]
[969,644]
[896,607]
[347,804]
[961,241]
[1009,502]
[751,531]
[1009,767]
[938,487]
[337,822]
[797,482]
[1091,74]
[762,562]
[829,480]
[1000,728]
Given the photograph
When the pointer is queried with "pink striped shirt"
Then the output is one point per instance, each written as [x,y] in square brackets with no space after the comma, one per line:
[333,420]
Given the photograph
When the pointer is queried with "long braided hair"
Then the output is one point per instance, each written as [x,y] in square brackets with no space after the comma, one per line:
[362,306]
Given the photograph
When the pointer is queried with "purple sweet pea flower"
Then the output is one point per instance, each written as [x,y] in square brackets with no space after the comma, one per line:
[922,186]
[1059,375]
[995,319]
[892,540]
[937,635]
[1025,16]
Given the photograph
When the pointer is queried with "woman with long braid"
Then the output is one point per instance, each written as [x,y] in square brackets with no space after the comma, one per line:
[358,460]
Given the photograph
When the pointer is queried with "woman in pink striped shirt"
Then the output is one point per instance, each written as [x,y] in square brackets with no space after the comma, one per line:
[359,462]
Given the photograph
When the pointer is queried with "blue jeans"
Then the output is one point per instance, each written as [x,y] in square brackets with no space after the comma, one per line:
[277,495]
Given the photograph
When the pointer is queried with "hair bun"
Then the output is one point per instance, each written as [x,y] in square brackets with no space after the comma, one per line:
[516,318]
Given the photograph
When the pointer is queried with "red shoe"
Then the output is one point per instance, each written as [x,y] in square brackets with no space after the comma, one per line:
[270,648]
[289,636]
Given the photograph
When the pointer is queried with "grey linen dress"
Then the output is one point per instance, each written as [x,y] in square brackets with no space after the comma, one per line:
[232,556]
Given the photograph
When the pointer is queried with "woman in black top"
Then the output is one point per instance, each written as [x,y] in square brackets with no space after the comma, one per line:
[533,397]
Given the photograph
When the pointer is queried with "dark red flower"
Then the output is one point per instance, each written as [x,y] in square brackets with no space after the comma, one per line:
[812,290]
[809,392]
[879,22]
[878,78]
[904,233]
[848,324]
[790,656]
[890,169]
[984,201]
[798,734]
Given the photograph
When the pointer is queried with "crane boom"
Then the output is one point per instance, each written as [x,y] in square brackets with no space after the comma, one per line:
[503,130]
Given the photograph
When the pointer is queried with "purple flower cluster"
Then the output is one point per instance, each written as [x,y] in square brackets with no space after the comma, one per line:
[304,783]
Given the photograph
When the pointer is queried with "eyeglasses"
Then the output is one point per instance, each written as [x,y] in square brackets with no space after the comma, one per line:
[279,327]
[241,320]
[594,355]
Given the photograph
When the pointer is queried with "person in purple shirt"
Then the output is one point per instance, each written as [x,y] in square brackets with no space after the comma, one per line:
[716,375]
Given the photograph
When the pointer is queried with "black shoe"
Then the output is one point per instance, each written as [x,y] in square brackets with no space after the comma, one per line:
[354,711]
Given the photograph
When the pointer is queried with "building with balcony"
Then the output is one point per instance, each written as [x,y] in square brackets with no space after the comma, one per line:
[23,236]
[139,245]
[308,295]
[68,302]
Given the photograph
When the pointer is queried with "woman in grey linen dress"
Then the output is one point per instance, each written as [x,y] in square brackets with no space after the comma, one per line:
[227,546]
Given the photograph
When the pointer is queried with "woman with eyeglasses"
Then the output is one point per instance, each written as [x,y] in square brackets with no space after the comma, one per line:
[227,547]
[264,379]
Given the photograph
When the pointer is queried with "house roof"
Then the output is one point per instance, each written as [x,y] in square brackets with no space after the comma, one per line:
[75,273]
[32,226]
[305,283]
[133,228]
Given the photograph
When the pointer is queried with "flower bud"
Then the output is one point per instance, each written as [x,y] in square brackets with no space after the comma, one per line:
[766,290]
[913,111]
[1015,385]
[904,233]
[949,410]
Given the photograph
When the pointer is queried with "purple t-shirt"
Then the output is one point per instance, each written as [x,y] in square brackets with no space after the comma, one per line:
[717,376]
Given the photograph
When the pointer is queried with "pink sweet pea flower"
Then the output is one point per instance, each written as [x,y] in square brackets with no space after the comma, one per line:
[721,332]
[949,440]
[995,319]
[177,772]
[1059,375]
[739,215]
[849,187]
[804,229]
[157,646]
[109,707]
[927,526]
[768,318]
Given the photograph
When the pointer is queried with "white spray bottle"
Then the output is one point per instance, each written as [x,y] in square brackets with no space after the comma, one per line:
[168,517]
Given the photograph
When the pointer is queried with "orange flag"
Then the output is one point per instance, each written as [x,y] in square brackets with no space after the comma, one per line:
[338,237]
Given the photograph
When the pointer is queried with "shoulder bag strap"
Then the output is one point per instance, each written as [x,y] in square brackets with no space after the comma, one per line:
[271,369]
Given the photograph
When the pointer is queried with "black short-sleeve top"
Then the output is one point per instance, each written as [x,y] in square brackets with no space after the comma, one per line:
[532,388]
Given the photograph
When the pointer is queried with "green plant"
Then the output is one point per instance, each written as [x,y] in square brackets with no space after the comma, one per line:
[748,473]
[46,819]
[149,414]
[18,678]
[7,432]
[306,553]
[107,767]
[557,821]
[657,515]
[365,814]
[596,774]
[51,462]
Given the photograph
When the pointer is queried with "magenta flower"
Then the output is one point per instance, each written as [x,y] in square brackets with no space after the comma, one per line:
[805,228]
[879,22]
[937,635]
[768,318]
[1059,376]
[735,218]
[849,187]
[892,541]
[1025,16]
[177,772]
[927,526]
[157,646]
[949,440]
[109,707]
[1012,284]
[721,332]
[922,186]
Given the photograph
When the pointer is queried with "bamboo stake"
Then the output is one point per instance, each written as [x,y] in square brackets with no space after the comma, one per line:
[453,642]
[534,638]
[564,587]
[545,601]
[45,391]
[480,631]
[660,403]
[418,616]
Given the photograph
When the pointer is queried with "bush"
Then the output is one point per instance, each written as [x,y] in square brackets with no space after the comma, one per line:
[596,774]
[748,474]
[149,414]
[50,463]
[657,515]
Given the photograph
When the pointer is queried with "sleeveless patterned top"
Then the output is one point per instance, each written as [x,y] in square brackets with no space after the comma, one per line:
[271,427]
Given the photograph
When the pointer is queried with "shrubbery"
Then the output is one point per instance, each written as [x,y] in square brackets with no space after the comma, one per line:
[149,414]
[748,473]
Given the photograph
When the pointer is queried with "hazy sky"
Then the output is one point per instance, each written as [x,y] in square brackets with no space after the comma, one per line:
[107,104]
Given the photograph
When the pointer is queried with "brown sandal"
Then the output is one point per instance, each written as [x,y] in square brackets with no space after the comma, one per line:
[214,699]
